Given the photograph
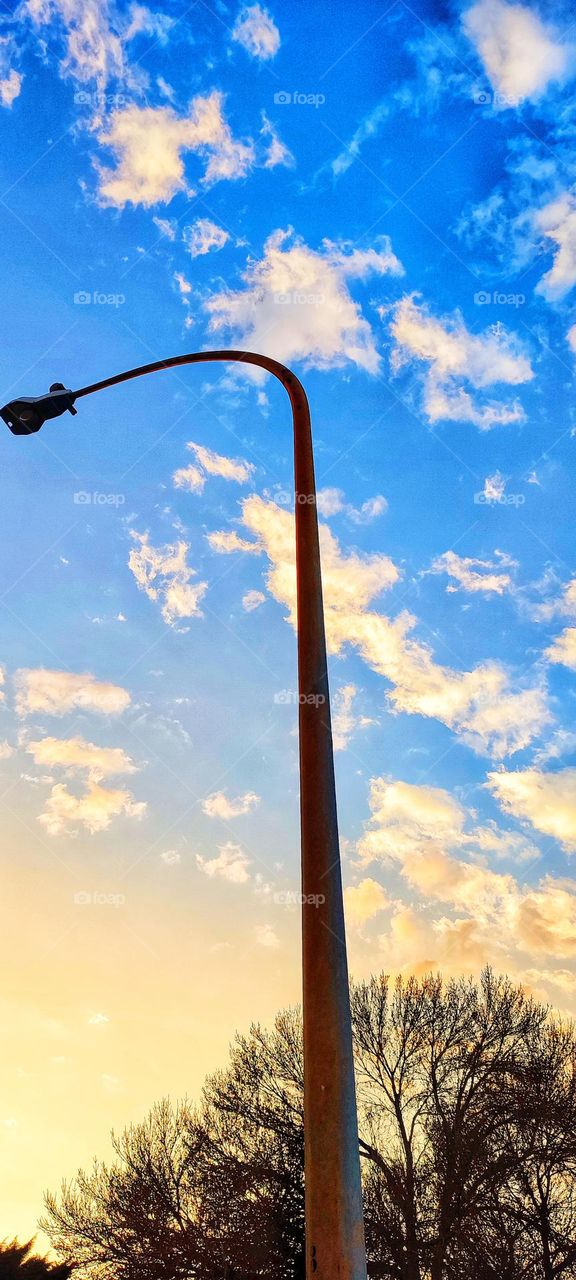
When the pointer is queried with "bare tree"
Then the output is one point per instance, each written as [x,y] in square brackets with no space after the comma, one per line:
[540,1197]
[141,1216]
[467,1101]
[439,1066]
[253,1121]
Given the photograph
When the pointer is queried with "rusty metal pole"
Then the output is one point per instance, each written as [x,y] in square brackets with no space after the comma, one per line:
[335,1247]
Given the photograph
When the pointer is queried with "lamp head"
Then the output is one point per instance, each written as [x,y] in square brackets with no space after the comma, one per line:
[26,415]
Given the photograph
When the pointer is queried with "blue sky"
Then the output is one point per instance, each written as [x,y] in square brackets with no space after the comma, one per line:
[382,197]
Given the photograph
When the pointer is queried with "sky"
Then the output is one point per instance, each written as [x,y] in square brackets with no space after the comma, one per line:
[381,196]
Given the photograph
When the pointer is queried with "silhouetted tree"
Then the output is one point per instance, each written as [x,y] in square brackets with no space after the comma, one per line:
[17,1262]
[467,1104]
[142,1217]
[213,1193]
[539,1199]
[254,1168]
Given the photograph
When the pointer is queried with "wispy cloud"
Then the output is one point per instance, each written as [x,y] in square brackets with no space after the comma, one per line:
[164,574]
[257,32]
[456,361]
[296,302]
[209,463]
[219,805]
[57,692]
[230,863]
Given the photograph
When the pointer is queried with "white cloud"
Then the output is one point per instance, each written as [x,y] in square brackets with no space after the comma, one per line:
[145,22]
[6,751]
[94,50]
[75,754]
[331,502]
[368,128]
[420,830]
[563,649]
[165,576]
[557,606]
[190,478]
[229,864]
[252,600]
[546,800]
[225,542]
[10,78]
[345,721]
[560,743]
[455,356]
[349,580]
[170,857]
[473,575]
[257,32]
[96,37]
[363,901]
[277,151]
[520,54]
[10,87]
[558,222]
[209,463]
[370,510]
[66,813]
[184,286]
[204,236]
[148,144]
[571,336]
[494,487]
[493,714]
[296,302]
[219,805]
[96,40]
[166,226]
[57,692]
[266,937]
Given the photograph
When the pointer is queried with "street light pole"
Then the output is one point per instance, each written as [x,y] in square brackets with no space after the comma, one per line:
[335,1247]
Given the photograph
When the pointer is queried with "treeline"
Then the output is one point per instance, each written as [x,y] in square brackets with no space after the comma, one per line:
[19,1262]
[467,1104]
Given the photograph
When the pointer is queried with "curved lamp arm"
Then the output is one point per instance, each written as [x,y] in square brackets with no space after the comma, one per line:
[334,1224]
